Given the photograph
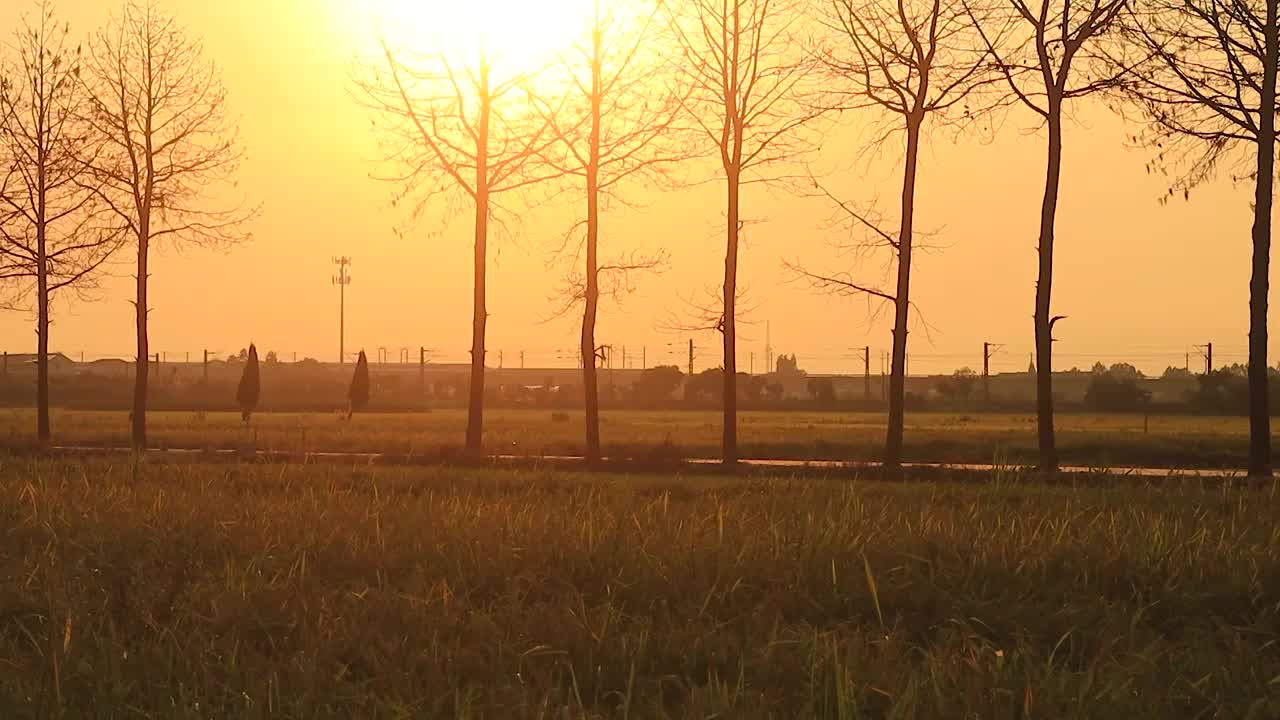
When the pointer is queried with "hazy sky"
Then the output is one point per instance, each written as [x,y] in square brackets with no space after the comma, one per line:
[1139,281]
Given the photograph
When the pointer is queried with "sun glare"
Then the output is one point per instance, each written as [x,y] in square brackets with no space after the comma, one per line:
[515,35]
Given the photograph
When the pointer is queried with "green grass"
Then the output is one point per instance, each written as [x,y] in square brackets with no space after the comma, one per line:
[257,591]
[1090,440]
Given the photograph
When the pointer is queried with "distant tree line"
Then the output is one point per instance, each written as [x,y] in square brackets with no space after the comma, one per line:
[311,386]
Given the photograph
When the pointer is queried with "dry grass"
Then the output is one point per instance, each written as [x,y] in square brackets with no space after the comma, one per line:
[1091,440]
[251,591]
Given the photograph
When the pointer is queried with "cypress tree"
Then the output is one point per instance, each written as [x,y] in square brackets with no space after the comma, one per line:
[250,386]
[358,395]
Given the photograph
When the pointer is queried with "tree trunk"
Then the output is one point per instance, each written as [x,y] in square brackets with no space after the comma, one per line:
[480,315]
[43,434]
[902,302]
[730,400]
[1259,283]
[139,434]
[591,299]
[1044,289]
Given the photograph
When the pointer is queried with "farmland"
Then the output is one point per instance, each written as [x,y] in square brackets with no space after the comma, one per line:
[159,590]
[1084,439]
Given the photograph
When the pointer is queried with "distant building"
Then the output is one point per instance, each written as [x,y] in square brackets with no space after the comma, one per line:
[59,364]
[114,367]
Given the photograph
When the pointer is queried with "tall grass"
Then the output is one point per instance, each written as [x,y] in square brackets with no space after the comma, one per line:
[158,590]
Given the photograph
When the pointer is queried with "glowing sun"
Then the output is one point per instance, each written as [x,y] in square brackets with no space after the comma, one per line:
[515,35]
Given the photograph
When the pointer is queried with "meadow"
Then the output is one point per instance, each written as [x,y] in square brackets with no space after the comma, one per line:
[1091,440]
[288,591]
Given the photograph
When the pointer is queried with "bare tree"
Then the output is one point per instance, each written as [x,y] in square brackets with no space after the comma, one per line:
[160,110]
[50,236]
[912,62]
[1049,53]
[744,65]
[1204,73]
[464,138]
[615,130]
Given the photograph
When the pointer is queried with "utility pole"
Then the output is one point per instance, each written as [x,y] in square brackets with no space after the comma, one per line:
[521,359]
[644,357]
[988,349]
[1206,351]
[768,347]
[206,367]
[884,375]
[691,357]
[342,280]
[866,372]
[422,370]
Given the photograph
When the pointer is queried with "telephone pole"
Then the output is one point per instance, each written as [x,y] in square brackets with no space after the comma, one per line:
[342,280]
[690,357]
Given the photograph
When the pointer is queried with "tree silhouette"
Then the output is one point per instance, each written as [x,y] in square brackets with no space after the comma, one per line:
[1205,77]
[745,68]
[160,110]
[51,233]
[464,139]
[911,62]
[358,393]
[250,386]
[1049,54]
[615,128]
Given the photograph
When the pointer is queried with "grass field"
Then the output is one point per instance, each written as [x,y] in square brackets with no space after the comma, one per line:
[259,591]
[1090,440]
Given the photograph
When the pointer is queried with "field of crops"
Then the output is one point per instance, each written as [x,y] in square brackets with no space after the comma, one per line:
[1090,440]
[266,591]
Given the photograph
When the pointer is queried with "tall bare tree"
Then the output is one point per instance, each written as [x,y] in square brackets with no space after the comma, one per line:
[615,129]
[51,238]
[744,64]
[465,138]
[160,110]
[911,62]
[1049,53]
[1204,72]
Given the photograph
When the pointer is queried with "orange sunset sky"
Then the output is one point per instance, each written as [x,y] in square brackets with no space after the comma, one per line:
[1140,282]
